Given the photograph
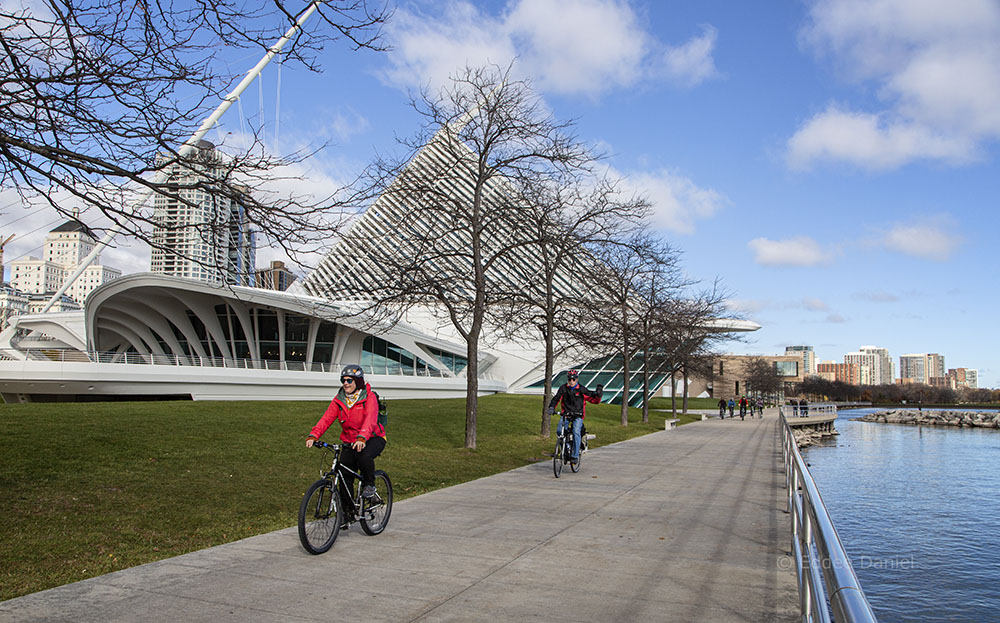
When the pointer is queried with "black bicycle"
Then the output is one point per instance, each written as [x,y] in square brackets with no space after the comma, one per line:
[564,448]
[321,513]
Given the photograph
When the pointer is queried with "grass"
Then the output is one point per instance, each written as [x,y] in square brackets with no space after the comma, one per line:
[90,488]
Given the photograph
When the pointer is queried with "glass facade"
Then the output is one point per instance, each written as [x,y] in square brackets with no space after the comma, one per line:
[787,368]
[608,371]
[266,323]
[455,363]
[381,357]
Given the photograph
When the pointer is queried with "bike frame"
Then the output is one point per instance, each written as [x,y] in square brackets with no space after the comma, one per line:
[336,475]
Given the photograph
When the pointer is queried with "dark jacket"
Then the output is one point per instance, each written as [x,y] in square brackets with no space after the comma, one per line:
[574,399]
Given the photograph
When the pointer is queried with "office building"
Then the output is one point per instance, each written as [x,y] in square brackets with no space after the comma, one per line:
[276,277]
[965,377]
[65,248]
[808,358]
[844,372]
[874,365]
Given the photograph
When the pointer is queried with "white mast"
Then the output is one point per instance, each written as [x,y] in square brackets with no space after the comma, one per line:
[189,146]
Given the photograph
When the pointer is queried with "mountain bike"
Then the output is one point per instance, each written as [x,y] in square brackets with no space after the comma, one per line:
[328,504]
[564,448]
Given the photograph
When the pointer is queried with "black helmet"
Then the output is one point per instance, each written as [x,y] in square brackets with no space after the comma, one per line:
[573,374]
[355,372]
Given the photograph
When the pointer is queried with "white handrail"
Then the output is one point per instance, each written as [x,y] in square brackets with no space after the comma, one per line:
[823,568]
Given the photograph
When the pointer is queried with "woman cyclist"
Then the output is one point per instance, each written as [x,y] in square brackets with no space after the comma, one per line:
[356,408]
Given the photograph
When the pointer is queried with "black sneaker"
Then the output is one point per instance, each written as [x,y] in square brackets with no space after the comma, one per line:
[368,492]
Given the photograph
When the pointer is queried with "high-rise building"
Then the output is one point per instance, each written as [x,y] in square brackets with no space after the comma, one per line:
[874,363]
[65,247]
[965,377]
[276,277]
[921,367]
[808,358]
[843,372]
[913,368]
[201,234]
[935,366]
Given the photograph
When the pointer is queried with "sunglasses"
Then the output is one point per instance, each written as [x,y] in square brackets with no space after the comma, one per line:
[347,380]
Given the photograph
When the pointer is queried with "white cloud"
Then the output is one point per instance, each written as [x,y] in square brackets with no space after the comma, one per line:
[936,67]
[800,251]
[573,47]
[677,201]
[930,239]
[692,63]
[814,304]
[836,318]
[747,306]
[871,141]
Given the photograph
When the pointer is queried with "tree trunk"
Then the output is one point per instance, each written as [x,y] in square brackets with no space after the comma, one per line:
[471,392]
[673,391]
[645,385]
[549,365]
[625,380]
[684,379]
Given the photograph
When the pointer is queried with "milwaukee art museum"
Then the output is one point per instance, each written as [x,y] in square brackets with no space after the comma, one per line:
[148,335]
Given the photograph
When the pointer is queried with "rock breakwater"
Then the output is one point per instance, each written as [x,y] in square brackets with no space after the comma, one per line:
[806,436]
[928,417]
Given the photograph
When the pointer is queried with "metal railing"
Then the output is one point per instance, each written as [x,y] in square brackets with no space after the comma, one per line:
[806,410]
[77,356]
[824,571]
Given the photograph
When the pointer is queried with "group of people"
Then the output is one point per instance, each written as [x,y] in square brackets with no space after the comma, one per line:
[746,405]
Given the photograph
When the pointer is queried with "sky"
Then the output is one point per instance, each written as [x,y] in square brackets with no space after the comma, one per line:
[834,163]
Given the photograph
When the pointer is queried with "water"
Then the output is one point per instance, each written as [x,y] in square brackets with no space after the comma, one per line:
[918,511]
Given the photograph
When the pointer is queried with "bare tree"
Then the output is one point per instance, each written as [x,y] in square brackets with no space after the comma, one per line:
[566,216]
[98,95]
[657,302]
[761,377]
[455,225]
[690,330]
[614,308]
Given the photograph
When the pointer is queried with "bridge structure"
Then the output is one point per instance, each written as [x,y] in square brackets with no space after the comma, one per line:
[686,524]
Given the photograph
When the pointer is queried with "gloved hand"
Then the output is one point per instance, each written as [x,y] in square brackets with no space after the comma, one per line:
[600,391]
[550,410]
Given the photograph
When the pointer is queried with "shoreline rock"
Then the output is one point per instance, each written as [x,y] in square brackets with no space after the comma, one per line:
[806,436]
[935,417]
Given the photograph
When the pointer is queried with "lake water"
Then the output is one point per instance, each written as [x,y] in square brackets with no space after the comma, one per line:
[918,511]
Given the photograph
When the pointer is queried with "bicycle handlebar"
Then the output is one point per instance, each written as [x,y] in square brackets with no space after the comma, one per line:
[322,444]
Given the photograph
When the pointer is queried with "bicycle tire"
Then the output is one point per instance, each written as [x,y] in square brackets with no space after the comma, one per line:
[576,466]
[557,458]
[374,518]
[320,516]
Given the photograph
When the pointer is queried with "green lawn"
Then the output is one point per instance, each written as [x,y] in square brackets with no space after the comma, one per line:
[90,488]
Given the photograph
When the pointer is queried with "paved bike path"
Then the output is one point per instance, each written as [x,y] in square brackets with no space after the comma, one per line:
[682,525]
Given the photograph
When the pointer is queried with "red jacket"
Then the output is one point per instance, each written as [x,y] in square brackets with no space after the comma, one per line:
[359,422]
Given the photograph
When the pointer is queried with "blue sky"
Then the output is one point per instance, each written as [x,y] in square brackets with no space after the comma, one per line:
[833,162]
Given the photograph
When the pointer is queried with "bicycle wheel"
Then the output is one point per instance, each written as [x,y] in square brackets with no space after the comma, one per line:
[320,516]
[576,466]
[557,457]
[375,512]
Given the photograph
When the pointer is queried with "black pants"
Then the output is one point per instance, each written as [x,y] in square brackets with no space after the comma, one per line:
[363,462]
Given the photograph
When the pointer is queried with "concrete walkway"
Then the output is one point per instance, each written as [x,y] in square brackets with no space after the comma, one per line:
[682,525]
